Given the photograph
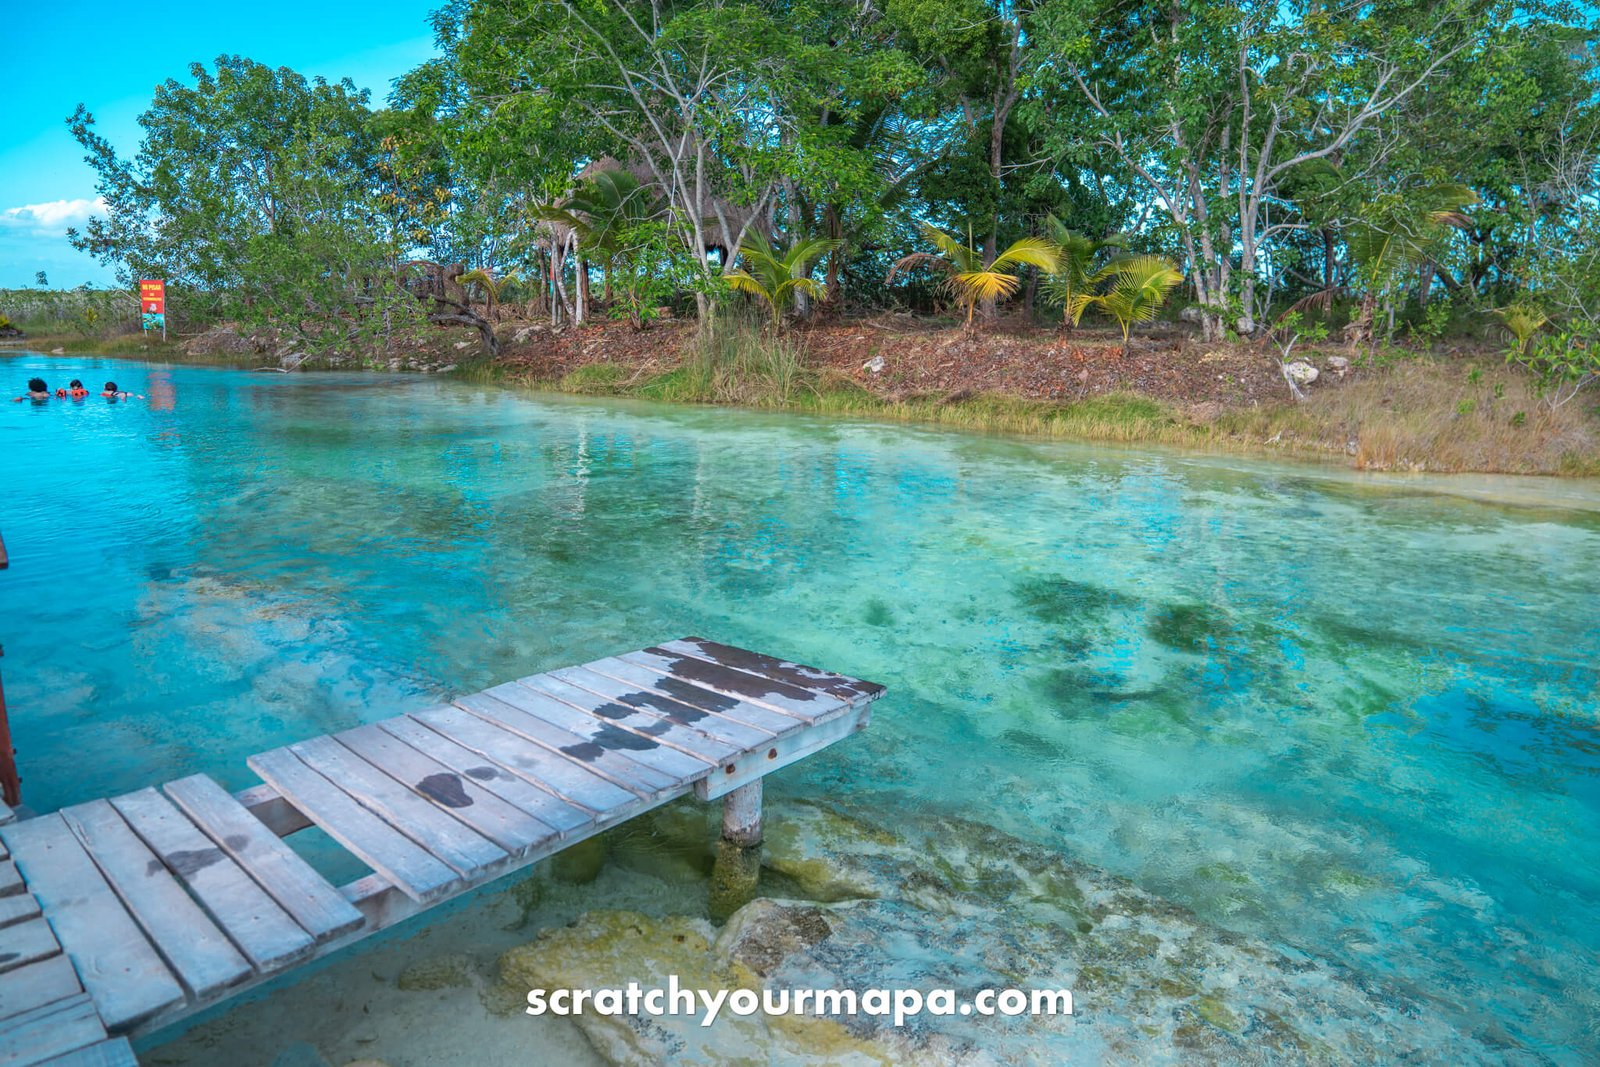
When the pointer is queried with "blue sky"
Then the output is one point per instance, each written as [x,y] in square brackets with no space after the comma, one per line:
[111,56]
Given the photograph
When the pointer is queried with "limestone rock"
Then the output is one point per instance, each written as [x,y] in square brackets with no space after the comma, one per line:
[1338,366]
[1300,372]
[875,365]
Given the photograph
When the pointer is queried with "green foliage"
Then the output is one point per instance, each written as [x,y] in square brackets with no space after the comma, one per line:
[1272,153]
[776,276]
[1565,362]
[649,267]
[87,321]
[1402,231]
[1075,267]
[1521,321]
[258,195]
[1434,320]
[969,279]
[1132,289]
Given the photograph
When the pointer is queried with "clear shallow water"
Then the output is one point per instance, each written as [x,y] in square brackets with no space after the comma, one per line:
[1349,717]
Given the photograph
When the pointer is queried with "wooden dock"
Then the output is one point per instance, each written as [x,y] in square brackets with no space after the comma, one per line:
[124,915]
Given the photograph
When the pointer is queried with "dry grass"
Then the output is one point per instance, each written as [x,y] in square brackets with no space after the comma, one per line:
[1425,415]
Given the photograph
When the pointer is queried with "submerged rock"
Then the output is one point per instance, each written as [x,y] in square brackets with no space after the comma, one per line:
[947,903]
[444,972]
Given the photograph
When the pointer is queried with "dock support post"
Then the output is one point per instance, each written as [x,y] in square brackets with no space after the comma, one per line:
[737,872]
[741,815]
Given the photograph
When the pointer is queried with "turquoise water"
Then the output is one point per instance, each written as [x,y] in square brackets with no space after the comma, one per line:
[1347,716]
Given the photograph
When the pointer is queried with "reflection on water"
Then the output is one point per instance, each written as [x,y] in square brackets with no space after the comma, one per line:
[1353,718]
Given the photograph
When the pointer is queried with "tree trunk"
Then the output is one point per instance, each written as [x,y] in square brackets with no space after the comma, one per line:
[582,268]
[1425,284]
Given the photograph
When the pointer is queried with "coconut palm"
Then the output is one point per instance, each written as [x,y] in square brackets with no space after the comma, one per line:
[1521,321]
[1135,287]
[970,279]
[485,280]
[601,209]
[775,275]
[1075,253]
[1400,233]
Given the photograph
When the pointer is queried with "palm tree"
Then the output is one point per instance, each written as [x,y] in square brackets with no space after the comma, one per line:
[601,209]
[1521,320]
[970,279]
[483,278]
[1400,233]
[1138,287]
[1076,253]
[775,275]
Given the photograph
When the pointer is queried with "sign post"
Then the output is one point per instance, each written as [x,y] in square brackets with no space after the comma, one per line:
[153,304]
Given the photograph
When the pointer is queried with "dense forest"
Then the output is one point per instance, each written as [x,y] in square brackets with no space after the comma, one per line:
[1357,168]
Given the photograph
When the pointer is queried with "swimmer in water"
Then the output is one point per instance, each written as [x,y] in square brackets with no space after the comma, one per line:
[74,390]
[37,390]
[111,392]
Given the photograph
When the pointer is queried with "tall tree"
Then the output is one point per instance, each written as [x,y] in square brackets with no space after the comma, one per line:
[1215,106]
[259,192]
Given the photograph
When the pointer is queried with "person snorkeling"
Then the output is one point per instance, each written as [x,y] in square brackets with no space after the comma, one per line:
[37,390]
[74,390]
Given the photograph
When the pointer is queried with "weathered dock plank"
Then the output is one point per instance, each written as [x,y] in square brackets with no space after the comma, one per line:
[18,908]
[114,1052]
[641,738]
[646,680]
[728,730]
[38,984]
[50,1031]
[851,690]
[269,938]
[801,704]
[539,804]
[609,761]
[564,777]
[116,963]
[25,943]
[316,905]
[380,846]
[201,955]
[426,822]
[508,826]
[677,725]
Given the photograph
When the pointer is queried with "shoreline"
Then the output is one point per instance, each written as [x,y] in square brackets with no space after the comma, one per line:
[1420,417]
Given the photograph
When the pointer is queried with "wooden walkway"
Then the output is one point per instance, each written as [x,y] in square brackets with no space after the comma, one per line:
[124,915]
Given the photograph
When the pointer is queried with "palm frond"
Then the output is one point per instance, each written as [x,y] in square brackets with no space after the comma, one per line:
[960,256]
[742,282]
[979,285]
[911,262]
[1033,251]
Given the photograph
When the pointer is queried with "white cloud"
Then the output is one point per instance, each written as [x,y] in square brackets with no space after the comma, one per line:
[52,218]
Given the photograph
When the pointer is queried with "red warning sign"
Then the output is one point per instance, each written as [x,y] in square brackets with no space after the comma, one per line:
[153,296]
